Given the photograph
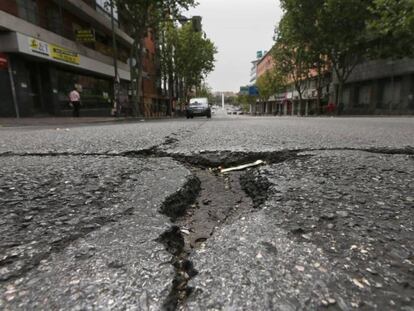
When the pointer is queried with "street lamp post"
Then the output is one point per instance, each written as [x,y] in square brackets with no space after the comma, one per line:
[115,60]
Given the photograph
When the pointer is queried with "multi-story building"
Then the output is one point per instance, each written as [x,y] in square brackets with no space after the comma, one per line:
[153,101]
[265,63]
[374,87]
[253,71]
[380,87]
[47,47]
[287,102]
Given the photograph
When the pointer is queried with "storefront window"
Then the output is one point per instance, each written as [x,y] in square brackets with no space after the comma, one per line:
[96,92]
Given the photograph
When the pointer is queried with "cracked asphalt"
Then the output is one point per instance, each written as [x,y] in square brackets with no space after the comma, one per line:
[330,223]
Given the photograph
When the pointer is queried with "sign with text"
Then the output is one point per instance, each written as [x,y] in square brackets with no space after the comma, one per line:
[244,90]
[85,35]
[253,91]
[39,46]
[63,54]
[54,51]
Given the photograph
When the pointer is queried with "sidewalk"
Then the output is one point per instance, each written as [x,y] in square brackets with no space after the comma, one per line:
[67,121]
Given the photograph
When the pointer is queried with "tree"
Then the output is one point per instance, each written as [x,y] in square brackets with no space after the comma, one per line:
[270,83]
[204,90]
[391,29]
[292,57]
[245,101]
[306,31]
[168,38]
[143,15]
[342,25]
[332,32]
[194,57]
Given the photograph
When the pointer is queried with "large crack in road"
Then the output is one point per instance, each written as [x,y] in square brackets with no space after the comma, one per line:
[207,201]
[211,200]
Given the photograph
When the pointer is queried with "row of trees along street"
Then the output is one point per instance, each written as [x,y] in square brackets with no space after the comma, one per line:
[186,56]
[317,36]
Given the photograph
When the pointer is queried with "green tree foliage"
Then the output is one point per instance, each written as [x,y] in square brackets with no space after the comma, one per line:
[343,33]
[141,16]
[292,57]
[194,57]
[204,90]
[305,30]
[391,29]
[270,83]
[245,101]
[327,31]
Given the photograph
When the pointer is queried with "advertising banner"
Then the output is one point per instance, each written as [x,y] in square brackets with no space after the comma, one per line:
[253,91]
[53,51]
[85,35]
[63,54]
[39,46]
[244,90]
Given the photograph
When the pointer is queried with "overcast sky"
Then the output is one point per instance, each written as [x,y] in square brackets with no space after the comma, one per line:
[238,28]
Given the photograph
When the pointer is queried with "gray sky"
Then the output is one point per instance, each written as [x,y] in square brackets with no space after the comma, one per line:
[238,28]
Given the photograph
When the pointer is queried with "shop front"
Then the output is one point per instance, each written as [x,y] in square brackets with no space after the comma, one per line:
[40,75]
[96,93]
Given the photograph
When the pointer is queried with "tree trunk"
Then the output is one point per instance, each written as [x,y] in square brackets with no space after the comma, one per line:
[300,105]
[298,87]
[170,89]
[134,95]
[336,93]
[140,93]
[339,105]
[318,100]
[319,91]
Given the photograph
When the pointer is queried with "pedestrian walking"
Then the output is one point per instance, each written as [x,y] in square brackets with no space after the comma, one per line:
[330,108]
[75,103]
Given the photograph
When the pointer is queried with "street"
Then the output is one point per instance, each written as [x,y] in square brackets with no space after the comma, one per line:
[137,216]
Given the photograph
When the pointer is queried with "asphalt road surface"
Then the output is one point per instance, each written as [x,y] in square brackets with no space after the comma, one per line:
[137,216]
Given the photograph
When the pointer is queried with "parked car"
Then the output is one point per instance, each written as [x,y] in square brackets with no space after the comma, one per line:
[198,107]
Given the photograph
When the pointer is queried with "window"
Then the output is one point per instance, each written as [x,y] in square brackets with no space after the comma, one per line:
[54,20]
[28,10]
[104,7]
[96,92]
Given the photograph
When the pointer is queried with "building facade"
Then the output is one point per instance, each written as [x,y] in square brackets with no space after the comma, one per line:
[374,87]
[264,64]
[47,47]
[253,72]
[380,87]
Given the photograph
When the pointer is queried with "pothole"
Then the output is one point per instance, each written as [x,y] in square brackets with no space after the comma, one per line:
[214,159]
[207,201]
[220,200]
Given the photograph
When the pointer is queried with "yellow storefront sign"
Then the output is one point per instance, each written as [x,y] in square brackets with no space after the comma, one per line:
[38,46]
[53,51]
[63,54]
